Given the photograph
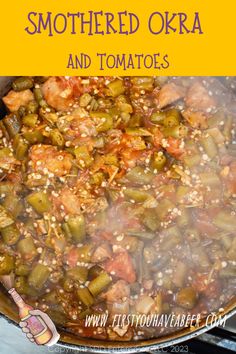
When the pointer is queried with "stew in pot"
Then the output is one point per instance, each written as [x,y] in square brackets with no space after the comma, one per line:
[118,194]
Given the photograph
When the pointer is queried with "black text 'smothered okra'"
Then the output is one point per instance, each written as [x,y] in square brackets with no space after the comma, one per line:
[119,194]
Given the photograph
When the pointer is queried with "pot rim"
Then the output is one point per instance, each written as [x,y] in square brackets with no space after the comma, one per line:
[149,345]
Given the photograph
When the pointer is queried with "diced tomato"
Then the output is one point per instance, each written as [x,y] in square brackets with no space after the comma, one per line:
[174,148]
[130,157]
[71,258]
[106,235]
[133,223]
[201,285]
[122,267]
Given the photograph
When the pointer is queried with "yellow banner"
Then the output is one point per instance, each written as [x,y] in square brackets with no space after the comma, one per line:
[118,37]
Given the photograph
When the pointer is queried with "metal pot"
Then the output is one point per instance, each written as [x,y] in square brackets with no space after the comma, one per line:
[73,342]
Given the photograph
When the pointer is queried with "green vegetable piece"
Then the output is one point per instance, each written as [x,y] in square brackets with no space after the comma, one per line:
[137,195]
[103,121]
[164,208]
[32,107]
[23,287]
[143,82]
[27,248]
[135,121]
[38,94]
[83,157]
[192,160]
[10,235]
[22,269]
[5,218]
[51,298]
[182,193]
[68,285]
[12,124]
[228,125]
[78,273]
[39,201]
[139,175]
[76,226]
[85,99]
[158,161]
[6,264]
[6,187]
[30,120]
[116,87]
[38,276]
[172,118]
[84,253]
[138,132]
[20,147]
[34,137]
[85,297]
[97,178]
[172,237]
[209,146]
[150,220]
[178,131]
[158,117]
[13,204]
[22,83]
[56,138]
[141,234]
[21,111]
[97,285]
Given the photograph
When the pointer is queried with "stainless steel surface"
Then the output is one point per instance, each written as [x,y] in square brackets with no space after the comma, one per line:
[231,325]
[219,342]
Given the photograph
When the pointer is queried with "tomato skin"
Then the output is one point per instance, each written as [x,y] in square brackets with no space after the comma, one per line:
[123,267]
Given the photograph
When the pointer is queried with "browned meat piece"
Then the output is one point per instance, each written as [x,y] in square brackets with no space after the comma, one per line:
[101,253]
[118,291]
[199,98]
[13,100]
[170,93]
